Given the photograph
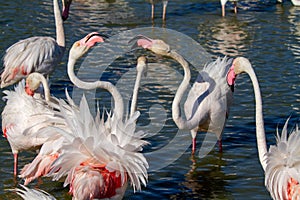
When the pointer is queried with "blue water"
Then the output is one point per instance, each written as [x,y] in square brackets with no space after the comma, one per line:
[268,34]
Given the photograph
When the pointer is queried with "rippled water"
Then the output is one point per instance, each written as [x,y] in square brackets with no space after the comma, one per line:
[266,33]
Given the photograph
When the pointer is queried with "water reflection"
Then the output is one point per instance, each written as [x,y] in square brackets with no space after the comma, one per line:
[205,179]
[294,41]
[228,36]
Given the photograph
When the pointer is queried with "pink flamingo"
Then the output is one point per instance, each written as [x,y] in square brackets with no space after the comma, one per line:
[35,54]
[19,123]
[209,100]
[49,152]
[106,164]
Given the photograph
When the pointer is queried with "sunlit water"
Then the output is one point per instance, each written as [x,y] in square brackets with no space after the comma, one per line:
[266,33]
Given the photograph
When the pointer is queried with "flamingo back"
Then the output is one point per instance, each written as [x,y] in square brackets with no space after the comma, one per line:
[35,54]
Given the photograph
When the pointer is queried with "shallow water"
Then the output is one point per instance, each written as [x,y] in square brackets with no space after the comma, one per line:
[266,33]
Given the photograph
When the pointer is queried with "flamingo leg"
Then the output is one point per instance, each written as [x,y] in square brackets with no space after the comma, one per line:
[193,146]
[223,10]
[15,164]
[165,3]
[235,7]
[152,11]
[220,146]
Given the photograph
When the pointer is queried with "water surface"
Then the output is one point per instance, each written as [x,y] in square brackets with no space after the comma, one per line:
[266,33]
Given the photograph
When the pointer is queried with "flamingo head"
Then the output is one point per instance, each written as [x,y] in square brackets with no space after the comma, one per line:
[66,7]
[142,65]
[239,65]
[80,47]
[33,82]
[156,46]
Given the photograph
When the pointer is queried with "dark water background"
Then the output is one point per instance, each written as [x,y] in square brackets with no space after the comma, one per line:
[263,31]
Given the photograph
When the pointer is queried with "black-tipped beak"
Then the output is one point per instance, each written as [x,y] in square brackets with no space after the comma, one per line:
[96,34]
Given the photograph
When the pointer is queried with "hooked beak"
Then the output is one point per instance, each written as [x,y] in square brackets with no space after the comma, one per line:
[140,41]
[92,38]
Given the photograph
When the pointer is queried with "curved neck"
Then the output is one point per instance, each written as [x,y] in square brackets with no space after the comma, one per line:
[135,92]
[260,129]
[44,82]
[119,105]
[60,34]
[176,113]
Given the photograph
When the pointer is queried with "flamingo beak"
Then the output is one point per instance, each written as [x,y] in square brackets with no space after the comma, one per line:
[91,39]
[28,90]
[141,41]
[66,9]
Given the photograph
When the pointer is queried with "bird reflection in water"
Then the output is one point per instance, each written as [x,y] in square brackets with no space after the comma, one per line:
[205,179]
[228,36]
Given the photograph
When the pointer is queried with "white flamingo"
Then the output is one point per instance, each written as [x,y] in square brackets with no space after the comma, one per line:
[165,4]
[223,3]
[209,100]
[19,115]
[35,54]
[50,150]
[106,153]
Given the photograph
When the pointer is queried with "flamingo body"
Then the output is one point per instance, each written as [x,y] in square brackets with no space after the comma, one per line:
[35,54]
[96,150]
[210,98]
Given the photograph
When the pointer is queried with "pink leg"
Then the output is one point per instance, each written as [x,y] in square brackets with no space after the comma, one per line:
[220,146]
[193,145]
[15,164]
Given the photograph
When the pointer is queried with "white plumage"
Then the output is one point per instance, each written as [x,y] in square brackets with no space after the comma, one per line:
[94,147]
[35,54]
[282,174]
[33,194]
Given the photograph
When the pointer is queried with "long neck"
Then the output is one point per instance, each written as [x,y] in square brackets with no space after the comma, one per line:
[176,114]
[119,105]
[60,34]
[135,92]
[260,129]
[44,82]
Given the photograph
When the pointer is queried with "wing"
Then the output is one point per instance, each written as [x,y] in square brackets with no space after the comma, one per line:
[40,54]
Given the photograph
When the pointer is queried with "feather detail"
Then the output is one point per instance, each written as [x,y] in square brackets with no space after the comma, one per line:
[111,144]
[32,194]
[35,54]
[283,164]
